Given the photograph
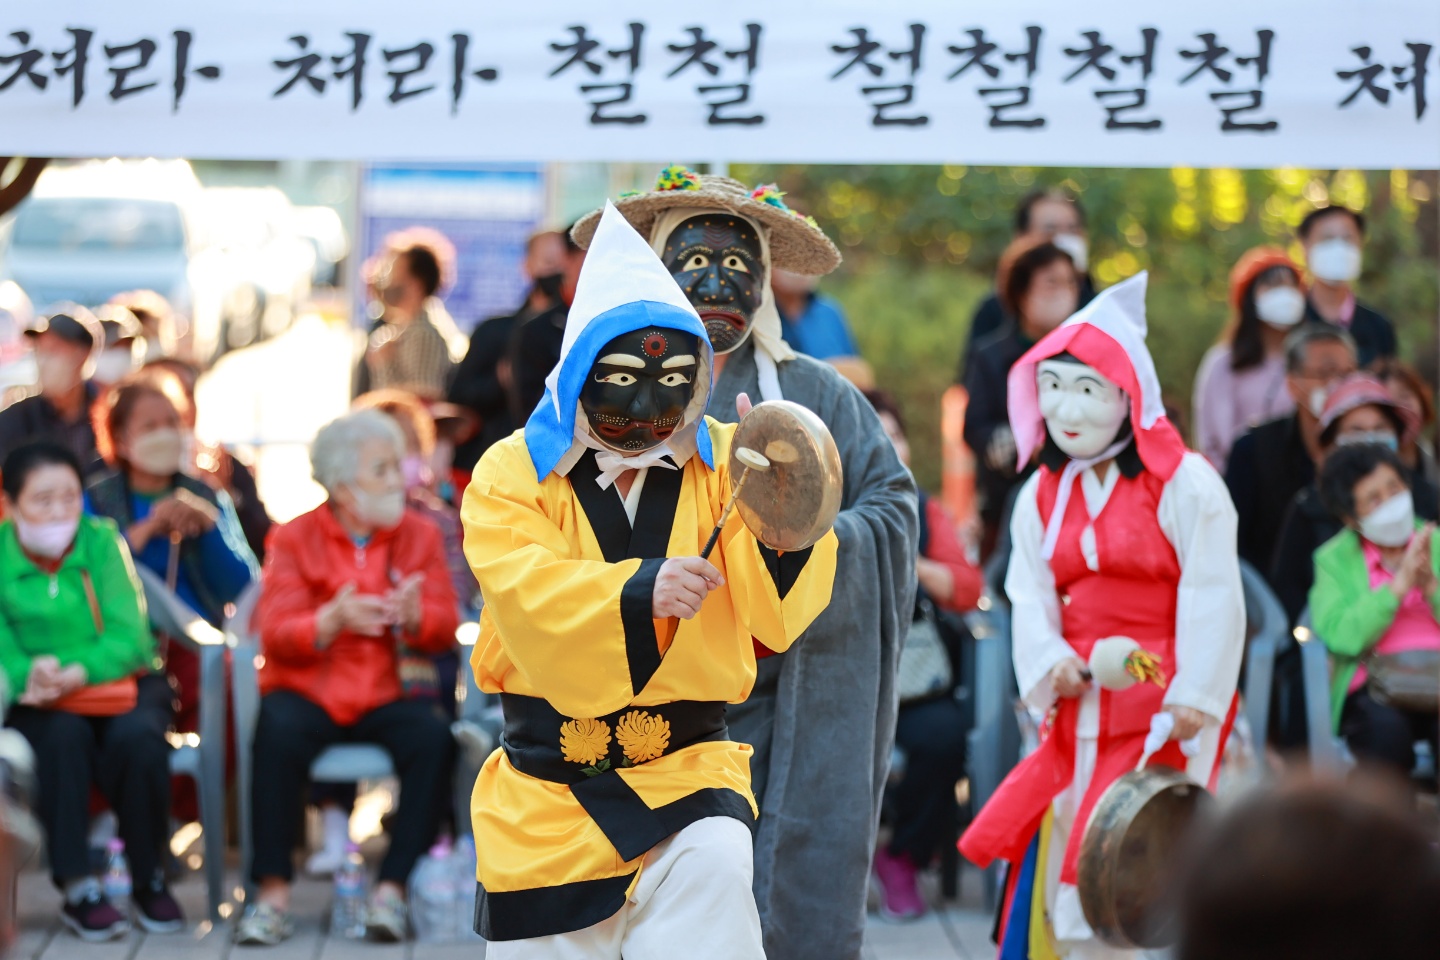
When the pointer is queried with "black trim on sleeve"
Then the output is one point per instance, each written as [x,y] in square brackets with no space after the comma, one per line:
[637,607]
[545,911]
[784,569]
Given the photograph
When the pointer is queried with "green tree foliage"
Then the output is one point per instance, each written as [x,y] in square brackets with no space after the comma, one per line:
[921,244]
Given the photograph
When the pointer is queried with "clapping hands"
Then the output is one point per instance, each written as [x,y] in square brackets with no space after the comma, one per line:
[371,615]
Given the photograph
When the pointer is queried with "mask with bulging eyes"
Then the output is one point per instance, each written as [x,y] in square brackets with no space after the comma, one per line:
[716,259]
[638,388]
[1083,410]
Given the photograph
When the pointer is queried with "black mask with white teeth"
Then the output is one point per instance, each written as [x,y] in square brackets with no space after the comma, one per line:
[639,386]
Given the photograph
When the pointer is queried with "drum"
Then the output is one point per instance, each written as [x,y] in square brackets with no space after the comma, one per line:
[794,502]
[1130,853]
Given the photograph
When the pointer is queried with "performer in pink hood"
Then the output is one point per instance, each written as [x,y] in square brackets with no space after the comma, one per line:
[1121,533]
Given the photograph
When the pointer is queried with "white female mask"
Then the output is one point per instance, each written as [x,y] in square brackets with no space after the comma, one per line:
[1083,410]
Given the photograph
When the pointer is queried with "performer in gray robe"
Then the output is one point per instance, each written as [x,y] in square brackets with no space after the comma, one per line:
[822,716]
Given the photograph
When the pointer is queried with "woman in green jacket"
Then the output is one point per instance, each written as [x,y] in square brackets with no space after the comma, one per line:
[1375,593]
[78,658]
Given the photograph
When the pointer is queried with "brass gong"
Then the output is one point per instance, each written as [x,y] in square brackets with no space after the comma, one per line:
[1129,854]
[793,502]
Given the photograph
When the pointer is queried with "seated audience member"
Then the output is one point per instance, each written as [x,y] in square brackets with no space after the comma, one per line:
[64,343]
[1412,392]
[157,321]
[123,344]
[1333,237]
[1040,288]
[76,651]
[1324,871]
[931,729]
[218,467]
[351,589]
[1043,216]
[1241,380]
[418,426]
[174,524]
[812,323]
[1270,463]
[1359,410]
[1375,598]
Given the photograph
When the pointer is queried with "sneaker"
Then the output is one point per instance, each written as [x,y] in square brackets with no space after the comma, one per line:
[261,925]
[386,920]
[156,909]
[94,918]
[899,895]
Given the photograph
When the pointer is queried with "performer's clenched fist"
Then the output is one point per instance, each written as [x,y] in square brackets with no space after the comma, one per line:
[682,585]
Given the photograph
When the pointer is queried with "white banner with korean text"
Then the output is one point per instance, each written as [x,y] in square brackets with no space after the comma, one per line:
[1107,83]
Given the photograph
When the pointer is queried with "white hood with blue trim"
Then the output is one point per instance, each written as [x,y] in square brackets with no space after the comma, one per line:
[623,287]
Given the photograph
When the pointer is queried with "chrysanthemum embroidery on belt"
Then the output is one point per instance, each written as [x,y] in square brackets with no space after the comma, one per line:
[586,741]
[642,736]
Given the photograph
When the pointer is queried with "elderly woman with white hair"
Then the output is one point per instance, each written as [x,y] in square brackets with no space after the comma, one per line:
[354,591]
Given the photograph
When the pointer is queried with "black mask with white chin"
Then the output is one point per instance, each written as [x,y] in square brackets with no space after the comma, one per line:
[639,386]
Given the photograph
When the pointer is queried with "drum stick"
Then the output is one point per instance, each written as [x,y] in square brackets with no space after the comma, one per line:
[753,460]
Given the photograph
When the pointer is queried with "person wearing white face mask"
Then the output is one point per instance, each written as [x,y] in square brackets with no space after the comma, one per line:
[1359,410]
[75,652]
[1121,533]
[1241,380]
[1272,462]
[1045,215]
[1332,237]
[1040,287]
[176,525]
[65,343]
[350,591]
[1375,605]
[123,345]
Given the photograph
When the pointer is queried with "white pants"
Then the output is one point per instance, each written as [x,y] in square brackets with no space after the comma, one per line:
[693,899]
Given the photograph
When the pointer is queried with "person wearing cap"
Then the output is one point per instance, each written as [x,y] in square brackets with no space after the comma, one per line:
[123,345]
[1333,237]
[66,342]
[1121,535]
[1271,462]
[157,321]
[1360,410]
[616,818]
[1241,380]
[822,717]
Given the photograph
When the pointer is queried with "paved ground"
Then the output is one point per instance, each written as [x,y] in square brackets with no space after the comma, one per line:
[958,932]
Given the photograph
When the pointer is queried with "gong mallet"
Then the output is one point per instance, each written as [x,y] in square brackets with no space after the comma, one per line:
[753,460]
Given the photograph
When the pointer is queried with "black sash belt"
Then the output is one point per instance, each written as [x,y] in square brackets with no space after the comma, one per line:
[532,743]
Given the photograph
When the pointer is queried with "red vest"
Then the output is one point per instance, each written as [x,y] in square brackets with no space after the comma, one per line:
[1132,594]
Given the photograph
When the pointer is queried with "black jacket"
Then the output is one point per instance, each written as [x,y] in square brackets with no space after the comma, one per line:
[1374,334]
[534,351]
[990,317]
[35,418]
[987,410]
[477,387]
[1268,465]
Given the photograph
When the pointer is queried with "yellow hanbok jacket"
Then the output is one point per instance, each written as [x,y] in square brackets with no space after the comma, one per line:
[568,585]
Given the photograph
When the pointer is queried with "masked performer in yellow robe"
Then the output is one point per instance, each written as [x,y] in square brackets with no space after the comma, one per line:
[616,817]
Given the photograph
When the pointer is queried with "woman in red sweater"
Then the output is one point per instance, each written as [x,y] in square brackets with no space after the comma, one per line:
[930,728]
[349,589]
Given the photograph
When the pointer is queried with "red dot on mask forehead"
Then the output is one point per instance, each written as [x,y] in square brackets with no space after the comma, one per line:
[655,345]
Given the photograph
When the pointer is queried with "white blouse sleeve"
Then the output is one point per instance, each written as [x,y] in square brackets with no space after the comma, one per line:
[1036,641]
[1199,520]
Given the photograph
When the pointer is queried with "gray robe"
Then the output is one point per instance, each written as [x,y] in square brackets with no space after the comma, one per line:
[822,716]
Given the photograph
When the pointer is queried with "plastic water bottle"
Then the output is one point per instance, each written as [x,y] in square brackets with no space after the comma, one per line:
[462,863]
[347,916]
[432,896]
[117,882]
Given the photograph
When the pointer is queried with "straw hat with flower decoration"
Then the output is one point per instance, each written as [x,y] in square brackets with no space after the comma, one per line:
[797,243]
